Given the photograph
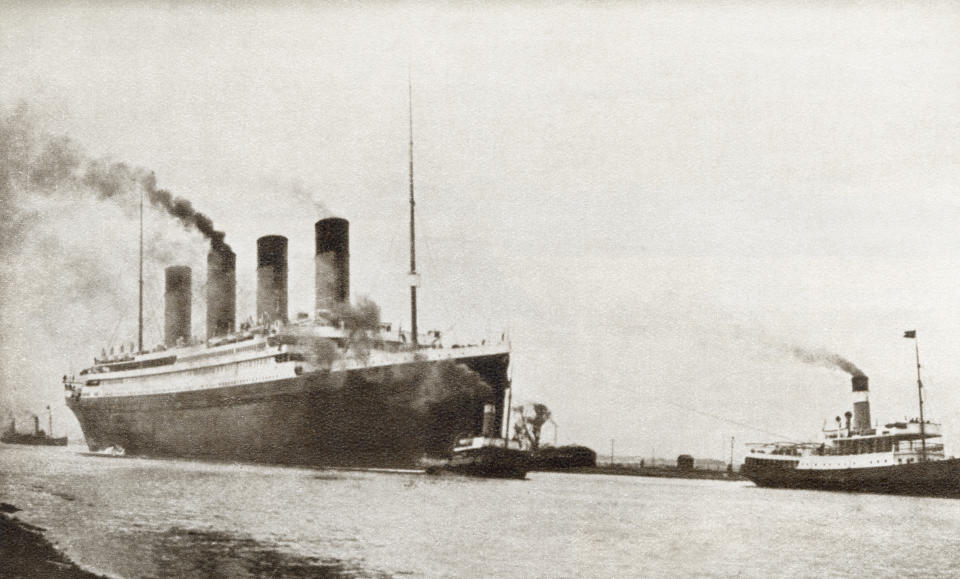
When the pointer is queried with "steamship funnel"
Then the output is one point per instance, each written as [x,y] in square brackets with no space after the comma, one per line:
[861,405]
[221,292]
[177,302]
[332,262]
[271,279]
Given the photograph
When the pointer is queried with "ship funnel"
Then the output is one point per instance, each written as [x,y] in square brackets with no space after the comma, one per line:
[332,263]
[36,425]
[176,313]
[271,279]
[221,292]
[861,405]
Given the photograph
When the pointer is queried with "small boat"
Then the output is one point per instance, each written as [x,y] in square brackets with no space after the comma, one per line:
[489,456]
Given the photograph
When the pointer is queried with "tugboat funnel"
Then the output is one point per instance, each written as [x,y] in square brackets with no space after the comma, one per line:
[489,411]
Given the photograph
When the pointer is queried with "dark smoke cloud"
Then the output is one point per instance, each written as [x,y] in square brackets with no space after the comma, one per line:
[826,359]
[41,164]
[111,180]
[67,250]
[421,386]
[445,381]
[183,210]
[361,322]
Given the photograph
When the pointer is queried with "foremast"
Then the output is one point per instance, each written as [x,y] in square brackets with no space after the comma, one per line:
[413,247]
[912,334]
[140,280]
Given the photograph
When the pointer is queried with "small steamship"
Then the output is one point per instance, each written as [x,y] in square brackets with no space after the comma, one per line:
[897,458]
[310,391]
[37,438]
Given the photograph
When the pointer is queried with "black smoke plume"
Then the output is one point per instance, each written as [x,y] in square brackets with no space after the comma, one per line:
[31,164]
[66,224]
[183,210]
[112,180]
[826,359]
[420,386]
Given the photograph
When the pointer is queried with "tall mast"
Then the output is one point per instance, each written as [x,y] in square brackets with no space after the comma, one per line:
[140,312]
[413,247]
[923,433]
[912,334]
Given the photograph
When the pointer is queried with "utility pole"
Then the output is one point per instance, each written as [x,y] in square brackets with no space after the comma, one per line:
[730,466]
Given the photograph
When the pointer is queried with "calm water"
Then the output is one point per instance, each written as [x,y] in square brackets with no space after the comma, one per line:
[134,517]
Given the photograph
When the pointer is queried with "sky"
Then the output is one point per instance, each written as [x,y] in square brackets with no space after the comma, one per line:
[661,203]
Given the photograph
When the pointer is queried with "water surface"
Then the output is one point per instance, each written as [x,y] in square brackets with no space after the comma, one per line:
[135,517]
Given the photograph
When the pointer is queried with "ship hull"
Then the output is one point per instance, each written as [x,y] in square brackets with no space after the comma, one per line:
[385,417]
[491,462]
[33,439]
[938,478]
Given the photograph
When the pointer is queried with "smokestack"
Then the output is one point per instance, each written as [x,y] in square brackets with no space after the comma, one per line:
[489,411]
[861,404]
[332,262]
[271,278]
[36,425]
[176,313]
[221,292]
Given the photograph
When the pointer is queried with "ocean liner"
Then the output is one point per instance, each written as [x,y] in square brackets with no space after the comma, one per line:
[899,458]
[334,388]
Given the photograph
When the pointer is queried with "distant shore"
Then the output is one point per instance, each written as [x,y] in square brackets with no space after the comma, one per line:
[26,553]
[652,471]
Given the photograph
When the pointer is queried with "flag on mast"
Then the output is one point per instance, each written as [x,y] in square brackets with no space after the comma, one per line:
[910,334]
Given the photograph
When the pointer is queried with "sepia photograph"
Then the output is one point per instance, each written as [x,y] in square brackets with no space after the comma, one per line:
[479,289]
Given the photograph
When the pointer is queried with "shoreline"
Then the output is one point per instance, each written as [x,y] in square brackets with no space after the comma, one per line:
[650,471]
[27,553]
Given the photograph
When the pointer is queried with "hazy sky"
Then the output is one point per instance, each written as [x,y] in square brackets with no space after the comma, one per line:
[657,200]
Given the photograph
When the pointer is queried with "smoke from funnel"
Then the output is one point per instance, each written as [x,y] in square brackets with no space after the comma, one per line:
[113,179]
[825,359]
[75,288]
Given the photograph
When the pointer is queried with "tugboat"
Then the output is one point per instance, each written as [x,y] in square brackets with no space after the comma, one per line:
[896,459]
[489,456]
[36,438]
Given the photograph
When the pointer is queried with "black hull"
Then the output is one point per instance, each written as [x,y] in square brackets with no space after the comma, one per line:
[939,478]
[388,417]
[34,440]
[491,462]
